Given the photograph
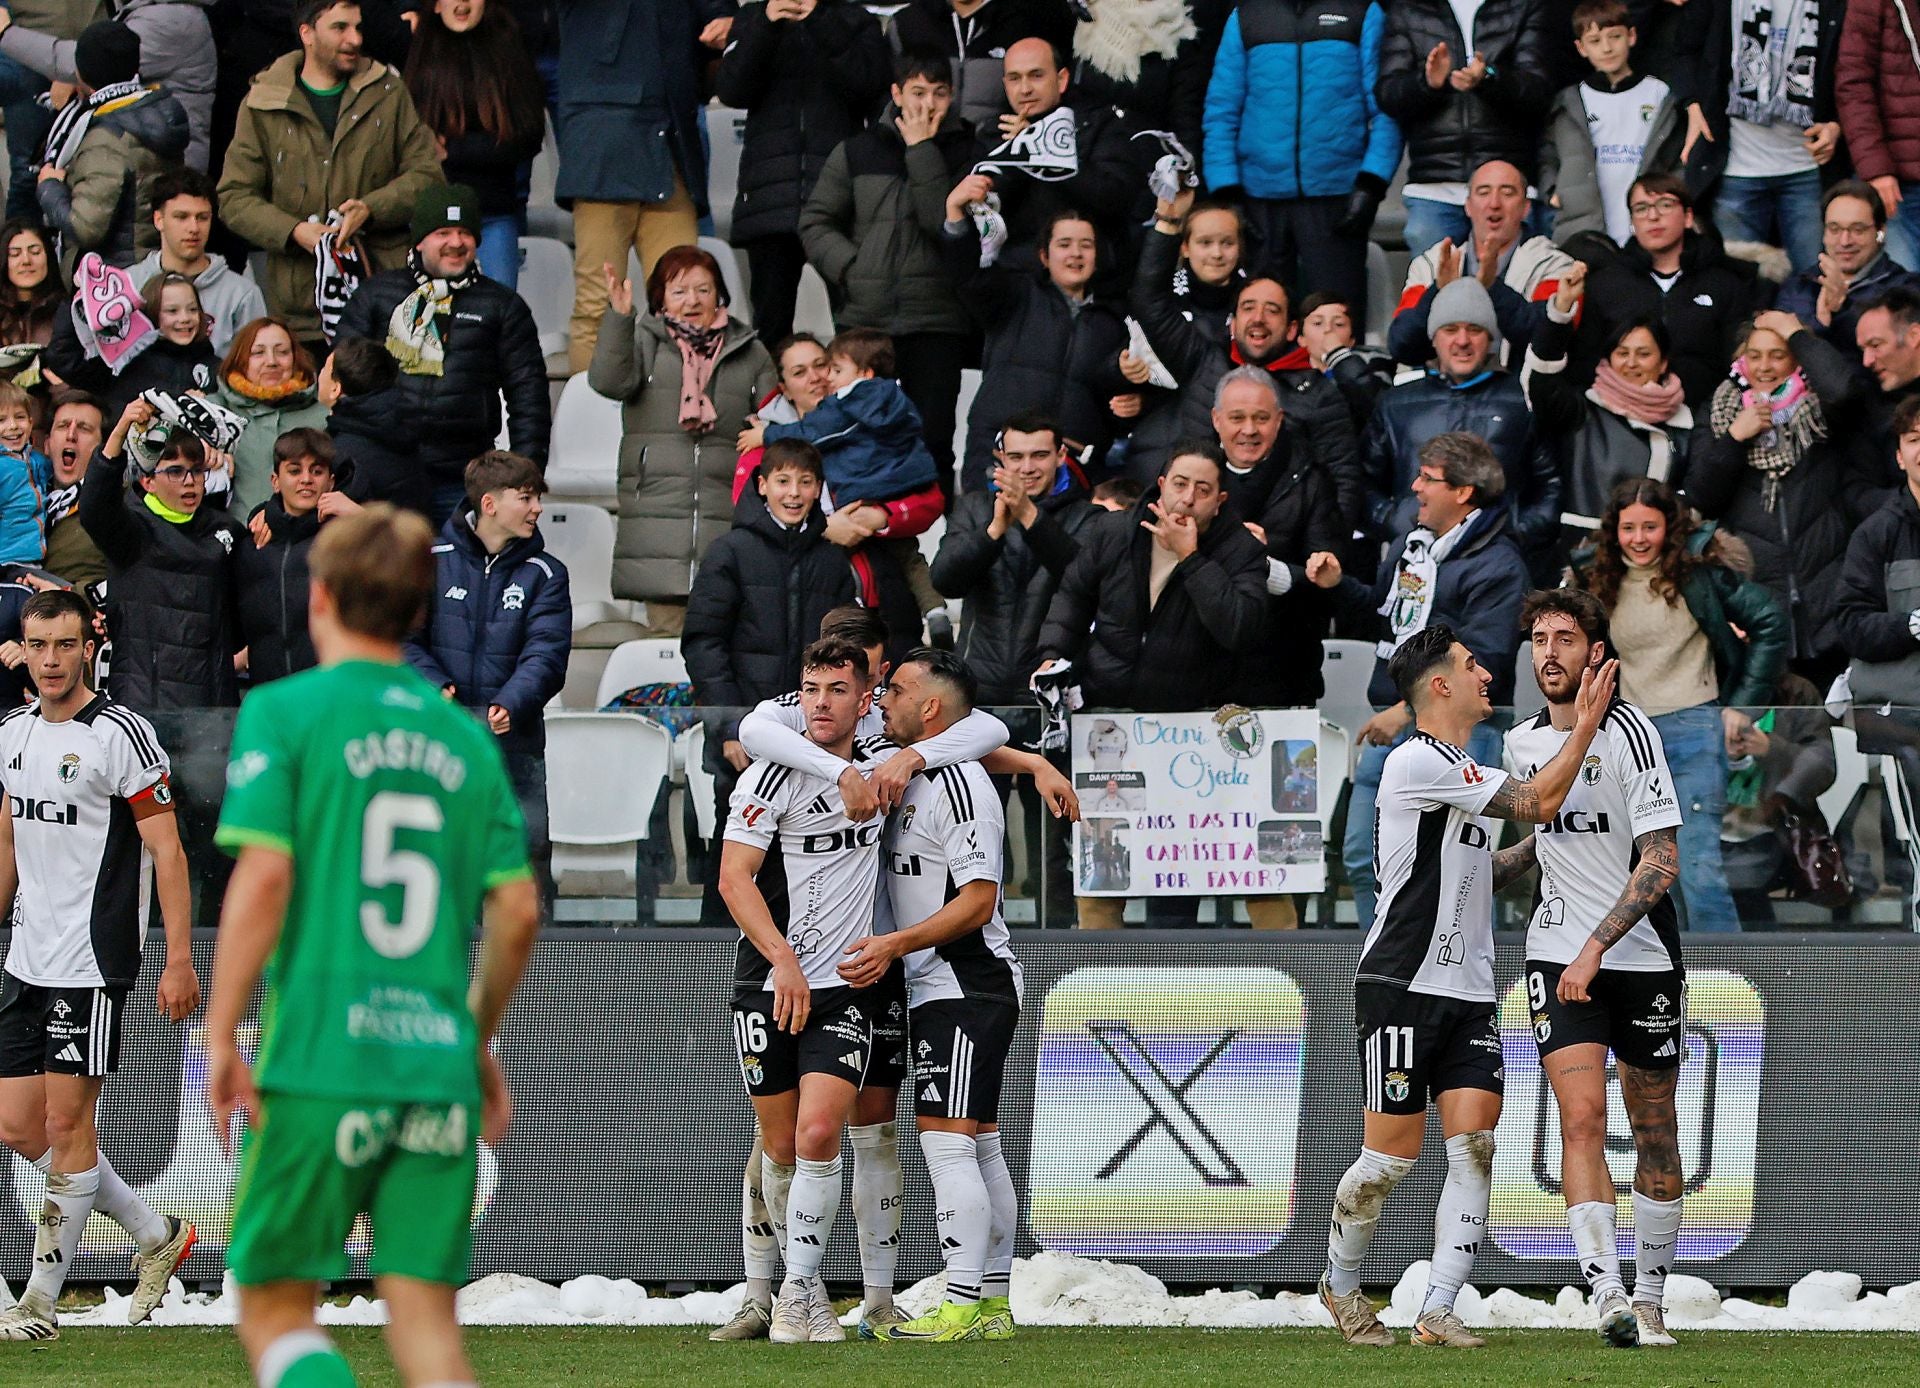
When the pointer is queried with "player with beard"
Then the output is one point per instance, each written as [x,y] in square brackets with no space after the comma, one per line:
[943,872]
[774,732]
[1603,962]
[1424,998]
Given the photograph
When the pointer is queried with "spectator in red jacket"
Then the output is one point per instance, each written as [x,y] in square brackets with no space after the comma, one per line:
[1877,87]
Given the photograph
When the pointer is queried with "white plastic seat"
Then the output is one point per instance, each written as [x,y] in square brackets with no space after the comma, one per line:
[1381,293]
[580,535]
[693,746]
[1527,698]
[604,772]
[637,663]
[1849,779]
[584,462]
[546,283]
[1347,668]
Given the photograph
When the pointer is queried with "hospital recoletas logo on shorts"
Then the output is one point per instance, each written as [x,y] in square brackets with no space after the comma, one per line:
[1166,1112]
[1718,1106]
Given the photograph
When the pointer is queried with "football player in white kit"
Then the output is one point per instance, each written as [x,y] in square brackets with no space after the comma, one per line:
[88,801]
[1424,1000]
[774,732]
[1603,964]
[943,875]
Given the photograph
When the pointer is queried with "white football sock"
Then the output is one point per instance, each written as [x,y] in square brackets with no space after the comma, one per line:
[1357,1203]
[876,1207]
[812,1205]
[1461,1219]
[1595,1242]
[1656,1227]
[759,1250]
[962,1212]
[776,1181]
[62,1220]
[290,1349]
[118,1202]
[1005,1203]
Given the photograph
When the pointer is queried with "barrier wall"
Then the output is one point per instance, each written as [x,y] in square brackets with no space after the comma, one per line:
[1183,1101]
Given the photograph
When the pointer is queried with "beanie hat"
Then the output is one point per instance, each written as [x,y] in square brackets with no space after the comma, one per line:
[1464,301]
[107,53]
[455,206]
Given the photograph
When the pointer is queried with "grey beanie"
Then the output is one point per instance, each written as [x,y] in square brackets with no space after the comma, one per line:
[1464,301]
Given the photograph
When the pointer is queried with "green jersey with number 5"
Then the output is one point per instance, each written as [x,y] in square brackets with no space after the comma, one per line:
[396,809]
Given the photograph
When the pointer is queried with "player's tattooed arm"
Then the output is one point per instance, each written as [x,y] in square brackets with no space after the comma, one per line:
[1517,800]
[1510,864]
[1653,877]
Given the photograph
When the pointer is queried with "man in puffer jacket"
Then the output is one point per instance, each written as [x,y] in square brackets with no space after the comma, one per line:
[108,148]
[872,227]
[500,626]
[458,354]
[808,73]
[1464,391]
[1291,120]
[176,50]
[1462,99]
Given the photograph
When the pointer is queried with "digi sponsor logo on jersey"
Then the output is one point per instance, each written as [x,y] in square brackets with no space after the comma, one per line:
[843,840]
[44,811]
[1723,1029]
[1166,1112]
[1577,822]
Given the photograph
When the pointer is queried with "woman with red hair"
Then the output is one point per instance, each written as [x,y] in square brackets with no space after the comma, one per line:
[687,376]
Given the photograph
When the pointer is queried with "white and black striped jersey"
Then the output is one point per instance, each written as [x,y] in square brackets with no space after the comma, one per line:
[821,873]
[80,912]
[1433,927]
[947,832]
[1587,852]
[776,731]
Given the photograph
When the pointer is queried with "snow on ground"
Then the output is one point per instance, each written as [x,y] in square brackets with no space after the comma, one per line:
[1055,1289]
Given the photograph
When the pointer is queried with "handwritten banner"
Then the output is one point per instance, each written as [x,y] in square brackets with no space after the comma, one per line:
[1199,804]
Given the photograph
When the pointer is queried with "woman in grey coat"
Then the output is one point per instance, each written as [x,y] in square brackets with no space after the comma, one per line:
[688,376]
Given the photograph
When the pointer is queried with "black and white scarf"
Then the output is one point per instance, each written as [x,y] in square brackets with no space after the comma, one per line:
[1048,150]
[1776,47]
[71,121]
[338,271]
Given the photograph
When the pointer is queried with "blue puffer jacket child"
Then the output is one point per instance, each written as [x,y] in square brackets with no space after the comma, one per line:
[499,628]
[1290,110]
[870,439]
[23,490]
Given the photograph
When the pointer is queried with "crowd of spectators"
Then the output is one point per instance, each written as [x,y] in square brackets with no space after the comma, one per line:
[1657,335]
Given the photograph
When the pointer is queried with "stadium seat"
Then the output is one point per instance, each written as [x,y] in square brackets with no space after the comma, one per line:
[1382,290]
[812,309]
[1347,667]
[584,463]
[580,535]
[604,772]
[637,663]
[1850,778]
[1527,698]
[962,407]
[726,133]
[693,746]
[546,283]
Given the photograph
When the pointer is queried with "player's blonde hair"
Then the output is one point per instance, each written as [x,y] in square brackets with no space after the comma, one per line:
[377,565]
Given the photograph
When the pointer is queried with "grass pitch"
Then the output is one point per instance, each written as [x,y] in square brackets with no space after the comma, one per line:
[568,1357]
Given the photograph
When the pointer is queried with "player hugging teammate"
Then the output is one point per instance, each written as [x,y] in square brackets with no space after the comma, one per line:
[951,950]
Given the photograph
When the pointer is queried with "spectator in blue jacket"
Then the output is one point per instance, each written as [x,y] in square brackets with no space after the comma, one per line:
[1292,122]
[1457,565]
[26,476]
[500,626]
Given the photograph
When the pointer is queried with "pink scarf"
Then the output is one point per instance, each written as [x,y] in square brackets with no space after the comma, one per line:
[699,354]
[1650,404]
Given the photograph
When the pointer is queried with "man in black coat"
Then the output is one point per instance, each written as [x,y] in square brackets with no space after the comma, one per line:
[1888,336]
[1005,551]
[1162,600]
[974,36]
[1272,475]
[1261,334]
[462,341]
[1679,274]
[808,73]
[1461,103]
